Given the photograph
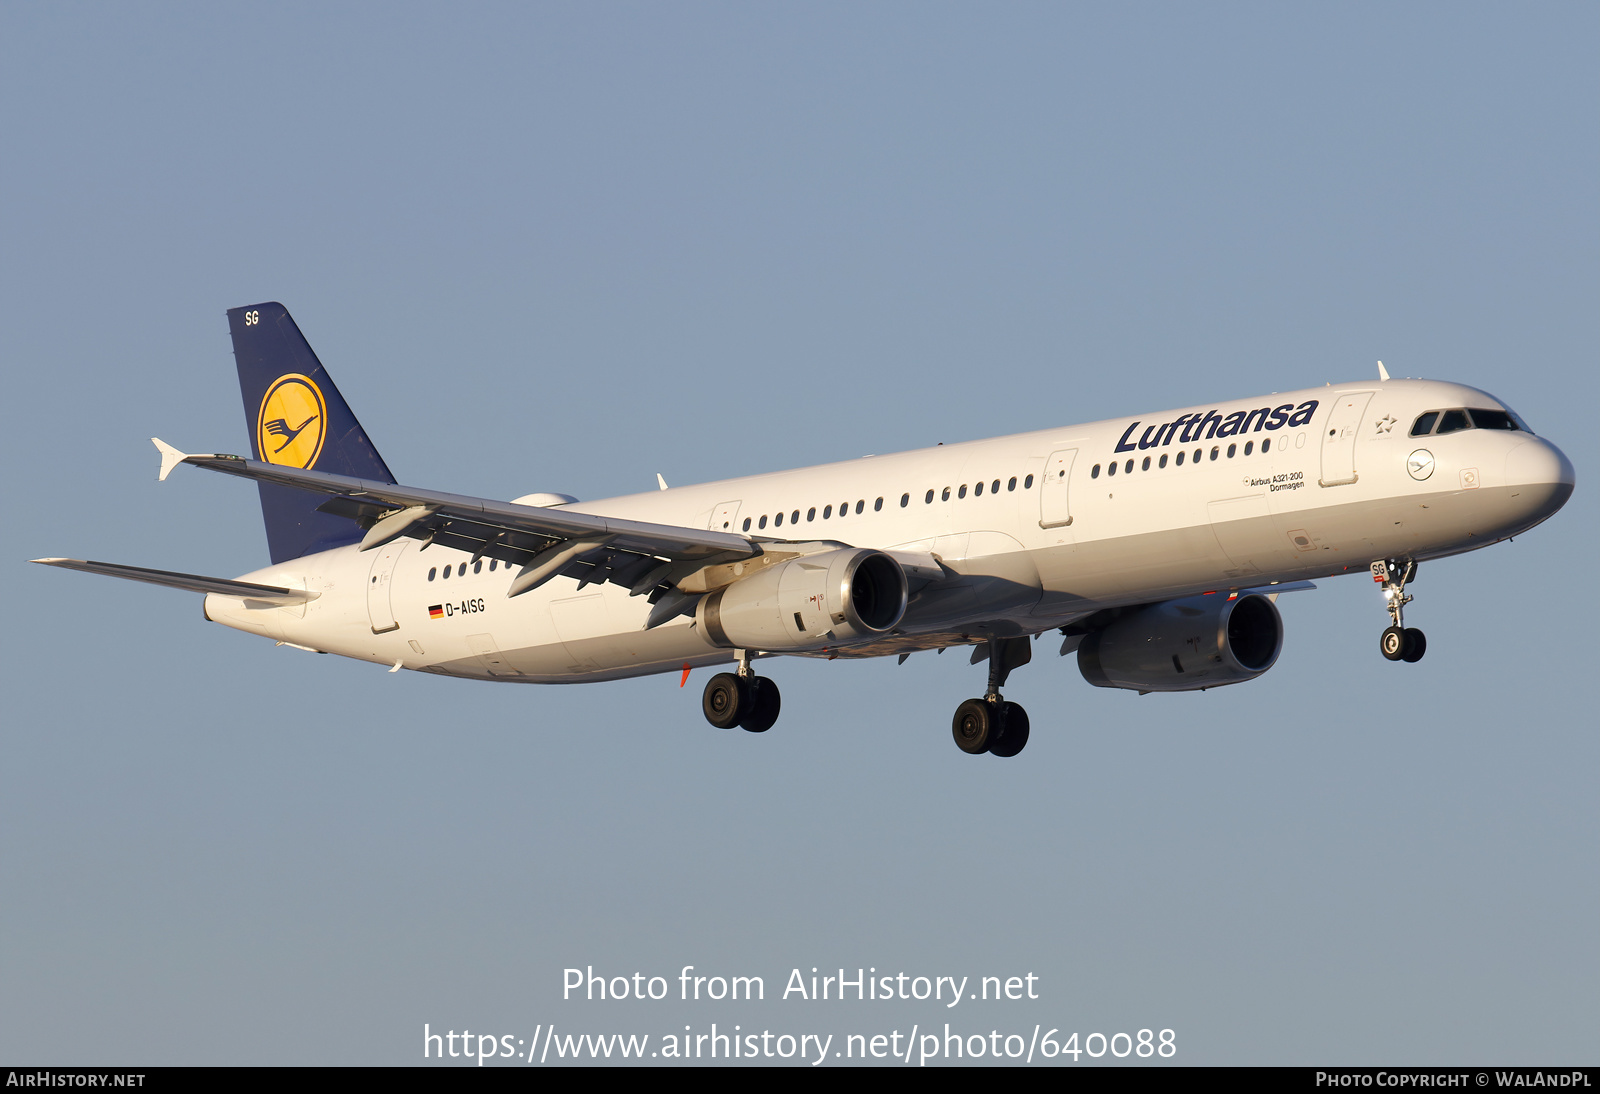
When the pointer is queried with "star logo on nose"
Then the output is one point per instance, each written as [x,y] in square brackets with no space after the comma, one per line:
[1385,423]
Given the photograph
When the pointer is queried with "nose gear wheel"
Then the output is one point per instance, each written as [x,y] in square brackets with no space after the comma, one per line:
[1398,641]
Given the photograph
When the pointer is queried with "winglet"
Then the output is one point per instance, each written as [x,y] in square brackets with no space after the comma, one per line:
[170,458]
[1383,373]
[661,481]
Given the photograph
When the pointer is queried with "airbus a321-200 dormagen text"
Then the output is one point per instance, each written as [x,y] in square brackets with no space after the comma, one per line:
[1155,545]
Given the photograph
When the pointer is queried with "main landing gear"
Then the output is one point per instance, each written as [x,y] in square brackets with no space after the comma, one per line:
[991,724]
[741,699]
[1398,641]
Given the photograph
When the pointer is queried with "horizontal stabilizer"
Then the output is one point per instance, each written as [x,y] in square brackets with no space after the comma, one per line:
[194,583]
[170,457]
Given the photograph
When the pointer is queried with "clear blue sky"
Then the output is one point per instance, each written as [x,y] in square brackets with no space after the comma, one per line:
[568,247]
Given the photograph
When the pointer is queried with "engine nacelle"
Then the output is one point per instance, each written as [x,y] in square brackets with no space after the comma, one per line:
[836,598]
[1185,645]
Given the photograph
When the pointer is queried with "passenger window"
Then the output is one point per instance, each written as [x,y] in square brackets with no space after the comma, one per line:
[962,492]
[1424,425]
[827,512]
[746,524]
[929,499]
[1146,465]
[1232,448]
[763,522]
[944,495]
[905,500]
[1266,444]
[1453,422]
[477,567]
[1093,474]
[1111,469]
[491,565]
[1179,460]
[446,575]
[1129,468]
[1011,484]
[877,506]
[1248,445]
[1214,451]
[1027,483]
[432,570]
[977,491]
[811,514]
[777,521]
[844,508]
[994,487]
[860,505]
[1163,462]
[461,571]
[794,518]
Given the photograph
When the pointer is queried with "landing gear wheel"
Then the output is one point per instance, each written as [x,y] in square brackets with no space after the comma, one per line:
[1392,642]
[1416,645]
[1014,734]
[765,703]
[726,700]
[974,727]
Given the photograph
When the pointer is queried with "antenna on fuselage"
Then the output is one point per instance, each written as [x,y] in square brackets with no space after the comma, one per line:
[1383,373]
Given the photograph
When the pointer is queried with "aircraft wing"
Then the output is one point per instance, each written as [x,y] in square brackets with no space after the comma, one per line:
[545,542]
[195,583]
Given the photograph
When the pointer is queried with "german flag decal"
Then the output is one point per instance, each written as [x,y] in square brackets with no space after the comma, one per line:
[436,611]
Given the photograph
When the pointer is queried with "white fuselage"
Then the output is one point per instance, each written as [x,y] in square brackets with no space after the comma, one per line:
[1058,538]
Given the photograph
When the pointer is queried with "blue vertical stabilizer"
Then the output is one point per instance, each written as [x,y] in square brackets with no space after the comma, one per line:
[296,417]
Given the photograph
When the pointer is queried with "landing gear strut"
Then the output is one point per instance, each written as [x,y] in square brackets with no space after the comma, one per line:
[1398,641]
[991,724]
[741,699]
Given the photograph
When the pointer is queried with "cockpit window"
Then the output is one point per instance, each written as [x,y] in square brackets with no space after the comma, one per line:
[1492,419]
[1454,421]
[1515,417]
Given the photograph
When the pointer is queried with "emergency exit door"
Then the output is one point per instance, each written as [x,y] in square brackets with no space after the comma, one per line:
[1055,508]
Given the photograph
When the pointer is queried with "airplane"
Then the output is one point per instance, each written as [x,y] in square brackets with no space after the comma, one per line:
[1155,545]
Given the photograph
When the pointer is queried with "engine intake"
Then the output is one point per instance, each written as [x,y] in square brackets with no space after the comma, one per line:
[836,598]
[1185,645]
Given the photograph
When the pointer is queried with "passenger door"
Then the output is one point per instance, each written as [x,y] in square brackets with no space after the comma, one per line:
[380,582]
[1339,438]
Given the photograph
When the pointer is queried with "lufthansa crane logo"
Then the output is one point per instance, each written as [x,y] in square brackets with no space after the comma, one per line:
[292,422]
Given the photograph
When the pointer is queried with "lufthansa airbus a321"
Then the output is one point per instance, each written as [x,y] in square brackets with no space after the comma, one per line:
[1155,545]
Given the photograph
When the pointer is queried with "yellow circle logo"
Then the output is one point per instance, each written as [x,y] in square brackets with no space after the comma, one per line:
[292,422]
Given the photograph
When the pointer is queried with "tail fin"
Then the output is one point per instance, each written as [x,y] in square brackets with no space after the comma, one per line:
[297,417]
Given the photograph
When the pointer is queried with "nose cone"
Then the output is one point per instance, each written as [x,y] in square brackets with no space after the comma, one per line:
[1542,475]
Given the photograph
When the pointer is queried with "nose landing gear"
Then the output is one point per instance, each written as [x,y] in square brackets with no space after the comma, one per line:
[1398,641]
[991,724]
[741,699]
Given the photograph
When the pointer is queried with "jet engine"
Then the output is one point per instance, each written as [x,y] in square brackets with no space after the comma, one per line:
[836,598]
[1184,645]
